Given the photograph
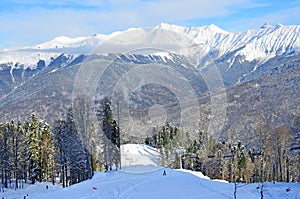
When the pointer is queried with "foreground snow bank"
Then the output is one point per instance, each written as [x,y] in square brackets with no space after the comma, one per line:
[152,184]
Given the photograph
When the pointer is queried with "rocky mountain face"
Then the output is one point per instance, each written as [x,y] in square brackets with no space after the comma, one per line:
[205,78]
[270,98]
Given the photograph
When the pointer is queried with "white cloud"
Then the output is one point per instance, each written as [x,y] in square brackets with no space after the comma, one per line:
[39,23]
[60,2]
[288,16]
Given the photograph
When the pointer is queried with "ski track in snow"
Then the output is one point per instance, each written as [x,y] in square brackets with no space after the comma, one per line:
[147,182]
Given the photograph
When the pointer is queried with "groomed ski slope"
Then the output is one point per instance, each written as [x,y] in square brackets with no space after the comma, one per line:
[147,181]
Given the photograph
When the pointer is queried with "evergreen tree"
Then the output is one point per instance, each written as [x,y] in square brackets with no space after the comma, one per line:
[35,146]
[24,150]
[111,134]
[47,154]
[41,150]
[166,139]
[59,131]
[4,154]
[15,144]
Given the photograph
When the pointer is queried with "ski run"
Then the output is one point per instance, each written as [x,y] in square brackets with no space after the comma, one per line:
[141,177]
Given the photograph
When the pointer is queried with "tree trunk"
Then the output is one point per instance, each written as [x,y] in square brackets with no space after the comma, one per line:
[16,163]
[280,164]
[287,170]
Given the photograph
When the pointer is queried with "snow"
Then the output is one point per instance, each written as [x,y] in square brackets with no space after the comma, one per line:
[196,173]
[141,182]
[164,55]
[176,184]
[134,155]
[54,70]
[59,42]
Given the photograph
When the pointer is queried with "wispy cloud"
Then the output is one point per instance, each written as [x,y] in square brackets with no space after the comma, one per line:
[288,16]
[45,3]
[30,21]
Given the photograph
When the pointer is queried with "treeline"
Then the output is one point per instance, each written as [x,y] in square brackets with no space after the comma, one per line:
[69,151]
[271,158]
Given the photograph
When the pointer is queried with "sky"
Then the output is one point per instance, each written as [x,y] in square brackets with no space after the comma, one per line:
[27,22]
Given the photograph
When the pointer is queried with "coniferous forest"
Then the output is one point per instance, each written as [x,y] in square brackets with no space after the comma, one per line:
[274,158]
[33,151]
[72,148]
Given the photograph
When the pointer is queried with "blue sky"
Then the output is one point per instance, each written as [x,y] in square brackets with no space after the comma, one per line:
[26,22]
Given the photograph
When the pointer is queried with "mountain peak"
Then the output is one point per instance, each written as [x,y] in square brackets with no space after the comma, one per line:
[163,24]
[279,25]
[172,27]
[65,39]
[62,39]
[267,25]
[177,28]
[216,28]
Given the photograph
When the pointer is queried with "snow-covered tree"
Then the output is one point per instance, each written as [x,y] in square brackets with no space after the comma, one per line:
[111,136]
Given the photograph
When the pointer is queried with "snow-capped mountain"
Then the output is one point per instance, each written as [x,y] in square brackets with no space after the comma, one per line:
[206,43]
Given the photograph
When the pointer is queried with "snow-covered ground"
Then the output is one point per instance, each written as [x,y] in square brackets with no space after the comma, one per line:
[152,184]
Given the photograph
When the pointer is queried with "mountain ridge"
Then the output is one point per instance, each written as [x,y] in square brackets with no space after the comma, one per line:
[261,43]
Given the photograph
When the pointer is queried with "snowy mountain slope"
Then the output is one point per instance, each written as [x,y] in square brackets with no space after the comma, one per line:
[142,182]
[53,86]
[133,154]
[266,41]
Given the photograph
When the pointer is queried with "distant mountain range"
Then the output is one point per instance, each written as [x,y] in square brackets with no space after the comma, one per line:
[197,77]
